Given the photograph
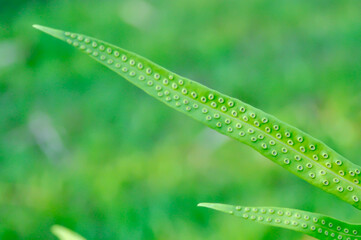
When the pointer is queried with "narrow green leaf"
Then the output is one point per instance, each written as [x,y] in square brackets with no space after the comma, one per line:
[313,224]
[296,151]
[65,234]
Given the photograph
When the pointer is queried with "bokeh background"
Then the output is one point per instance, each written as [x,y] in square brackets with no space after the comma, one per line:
[83,148]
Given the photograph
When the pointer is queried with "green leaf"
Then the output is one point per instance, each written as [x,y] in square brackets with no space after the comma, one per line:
[313,224]
[294,150]
[65,234]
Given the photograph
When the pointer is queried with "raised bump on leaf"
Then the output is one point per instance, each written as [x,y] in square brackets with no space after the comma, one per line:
[296,151]
[313,224]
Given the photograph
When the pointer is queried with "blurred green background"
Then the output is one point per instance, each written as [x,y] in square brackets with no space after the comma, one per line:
[83,148]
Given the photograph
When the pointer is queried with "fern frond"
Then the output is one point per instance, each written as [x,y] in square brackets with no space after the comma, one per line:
[313,224]
[291,148]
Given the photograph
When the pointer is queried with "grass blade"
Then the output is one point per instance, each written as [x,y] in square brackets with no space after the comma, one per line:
[313,224]
[294,150]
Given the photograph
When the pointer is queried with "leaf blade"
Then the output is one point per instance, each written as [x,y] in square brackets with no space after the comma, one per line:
[291,148]
[313,224]
[65,234]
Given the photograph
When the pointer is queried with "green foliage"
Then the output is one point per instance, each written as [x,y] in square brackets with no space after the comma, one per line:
[124,166]
[313,224]
[296,151]
[65,234]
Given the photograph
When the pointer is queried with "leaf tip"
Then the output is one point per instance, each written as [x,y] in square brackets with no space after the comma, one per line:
[36,26]
[65,234]
[51,31]
[217,206]
[207,205]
